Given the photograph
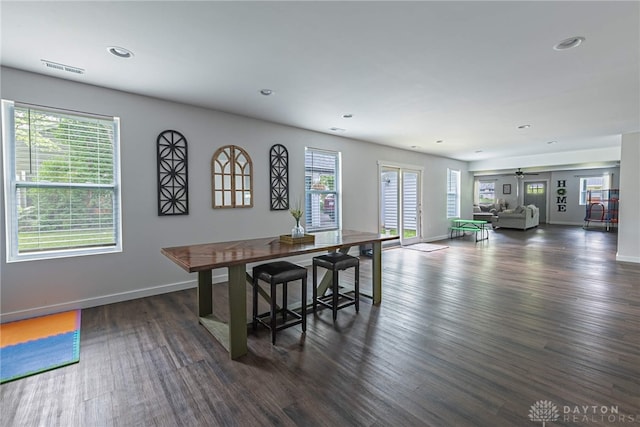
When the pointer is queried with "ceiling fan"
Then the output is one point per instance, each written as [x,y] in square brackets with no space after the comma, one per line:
[519,173]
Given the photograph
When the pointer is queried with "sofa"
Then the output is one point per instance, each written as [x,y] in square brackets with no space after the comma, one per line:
[522,217]
[488,211]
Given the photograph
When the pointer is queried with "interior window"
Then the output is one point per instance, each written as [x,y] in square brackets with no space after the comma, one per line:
[322,183]
[62,180]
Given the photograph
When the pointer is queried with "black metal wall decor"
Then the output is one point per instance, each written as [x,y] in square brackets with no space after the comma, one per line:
[173,179]
[279,177]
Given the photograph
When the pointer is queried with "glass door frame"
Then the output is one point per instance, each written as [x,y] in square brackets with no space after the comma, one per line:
[401,169]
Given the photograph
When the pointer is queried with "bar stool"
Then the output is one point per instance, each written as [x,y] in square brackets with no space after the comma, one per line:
[275,273]
[336,261]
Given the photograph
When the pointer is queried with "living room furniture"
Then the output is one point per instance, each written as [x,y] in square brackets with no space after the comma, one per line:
[335,262]
[279,273]
[461,226]
[235,255]
[485,216]
[488,211]
[522,218]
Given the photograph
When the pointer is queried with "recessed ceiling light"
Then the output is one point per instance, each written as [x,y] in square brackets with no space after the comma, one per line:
[524,126]
[569,43]
[266,92]
[337,129]
[347,116]
[439,141]
[120,52]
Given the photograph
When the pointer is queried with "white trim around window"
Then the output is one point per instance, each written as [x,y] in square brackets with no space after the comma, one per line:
[453,193]
[61,183]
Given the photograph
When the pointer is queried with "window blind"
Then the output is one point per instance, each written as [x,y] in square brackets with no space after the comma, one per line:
[453,190]
[322,174]
[64,184]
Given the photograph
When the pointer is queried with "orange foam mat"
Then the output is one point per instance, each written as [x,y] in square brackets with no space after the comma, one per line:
[39,327]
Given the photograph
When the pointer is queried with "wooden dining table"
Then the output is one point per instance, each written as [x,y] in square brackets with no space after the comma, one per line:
[235,255]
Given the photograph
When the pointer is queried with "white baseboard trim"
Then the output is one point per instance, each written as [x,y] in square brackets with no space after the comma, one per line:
[624,258]
[97,301]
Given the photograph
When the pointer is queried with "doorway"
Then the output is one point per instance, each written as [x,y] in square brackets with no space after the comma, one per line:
[400,203]
[535,193]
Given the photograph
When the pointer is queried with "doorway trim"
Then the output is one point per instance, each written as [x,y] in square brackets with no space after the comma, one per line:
[402,167]
[546,181]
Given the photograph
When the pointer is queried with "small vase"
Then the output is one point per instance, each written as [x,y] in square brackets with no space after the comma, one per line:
[297,231]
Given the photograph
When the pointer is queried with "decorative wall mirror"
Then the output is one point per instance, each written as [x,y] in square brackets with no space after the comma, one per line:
[279,177]
[173,179]
[231,178]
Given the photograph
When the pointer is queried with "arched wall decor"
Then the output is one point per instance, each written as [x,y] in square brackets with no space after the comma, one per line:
[173,178]
[279,177]
[231,178]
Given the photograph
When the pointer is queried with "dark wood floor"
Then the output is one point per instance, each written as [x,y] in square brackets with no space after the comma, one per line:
[472,335]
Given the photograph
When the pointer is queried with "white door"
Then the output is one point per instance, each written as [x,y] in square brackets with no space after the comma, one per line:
[400,203]
[410,225]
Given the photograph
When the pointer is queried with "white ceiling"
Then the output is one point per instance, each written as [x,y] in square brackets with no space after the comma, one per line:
[411,73]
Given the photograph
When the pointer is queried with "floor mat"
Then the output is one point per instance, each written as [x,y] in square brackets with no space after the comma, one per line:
[425,247]
[40,344]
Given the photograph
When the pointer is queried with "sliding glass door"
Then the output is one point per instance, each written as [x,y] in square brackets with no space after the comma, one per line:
[400,203]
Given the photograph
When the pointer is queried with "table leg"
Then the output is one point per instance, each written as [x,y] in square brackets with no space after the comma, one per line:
[237,311]
[232,335]
[205,293]
[376,272]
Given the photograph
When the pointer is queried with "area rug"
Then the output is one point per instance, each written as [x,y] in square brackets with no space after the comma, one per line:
[425,247]
[40,344]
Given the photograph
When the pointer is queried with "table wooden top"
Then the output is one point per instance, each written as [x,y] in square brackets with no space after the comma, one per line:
[207,256]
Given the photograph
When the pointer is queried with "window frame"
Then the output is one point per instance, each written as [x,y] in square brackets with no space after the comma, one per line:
[11,186]
[491,183]
[309,191]
[456,193]
[584,187]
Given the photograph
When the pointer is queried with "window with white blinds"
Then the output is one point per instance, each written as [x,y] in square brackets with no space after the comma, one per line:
[592,187]
[453,193]
[62,182]
[322,182]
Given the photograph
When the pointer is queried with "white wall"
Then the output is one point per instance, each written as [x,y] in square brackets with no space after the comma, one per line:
[40,287]
[629,234]
[575,213]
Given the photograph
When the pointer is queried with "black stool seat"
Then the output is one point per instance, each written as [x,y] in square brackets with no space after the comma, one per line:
[276,273]
[279,271]
[336,261]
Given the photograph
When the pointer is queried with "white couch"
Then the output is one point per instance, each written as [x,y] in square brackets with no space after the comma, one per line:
[488,212]
[522,217]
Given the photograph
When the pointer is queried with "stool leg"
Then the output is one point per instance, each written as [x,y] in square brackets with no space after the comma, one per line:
[273,313]
[335,294]
[357,287]
[255,304]
[284,302]
[304,304]
[315,288]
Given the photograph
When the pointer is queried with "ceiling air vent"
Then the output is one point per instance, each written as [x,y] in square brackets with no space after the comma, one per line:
[62,67]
